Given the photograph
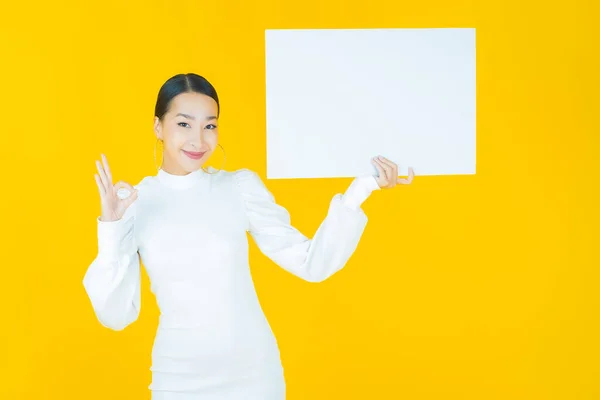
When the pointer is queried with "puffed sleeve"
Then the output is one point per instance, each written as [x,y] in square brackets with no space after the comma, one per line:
[312,259]
[112,280]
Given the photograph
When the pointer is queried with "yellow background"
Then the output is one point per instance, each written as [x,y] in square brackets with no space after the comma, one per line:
[463,287]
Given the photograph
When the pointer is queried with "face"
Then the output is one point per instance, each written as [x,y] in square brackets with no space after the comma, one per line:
[189,132]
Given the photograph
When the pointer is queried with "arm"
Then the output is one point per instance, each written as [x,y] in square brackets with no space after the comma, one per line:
[335,240]
[112,281]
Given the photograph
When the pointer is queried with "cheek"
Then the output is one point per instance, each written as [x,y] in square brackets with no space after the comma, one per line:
[212,136]
[175,141]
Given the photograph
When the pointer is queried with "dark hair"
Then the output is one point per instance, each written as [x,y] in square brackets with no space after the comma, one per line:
[183,83]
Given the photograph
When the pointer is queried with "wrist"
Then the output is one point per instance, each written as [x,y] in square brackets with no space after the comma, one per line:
[108,218]
[359,190]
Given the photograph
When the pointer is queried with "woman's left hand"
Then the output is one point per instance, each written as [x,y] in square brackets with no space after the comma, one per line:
[388,173]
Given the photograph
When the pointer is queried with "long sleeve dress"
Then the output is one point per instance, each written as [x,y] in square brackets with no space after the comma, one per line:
[213,340]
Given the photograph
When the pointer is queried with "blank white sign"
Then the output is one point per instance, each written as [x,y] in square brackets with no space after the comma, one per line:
[336,98]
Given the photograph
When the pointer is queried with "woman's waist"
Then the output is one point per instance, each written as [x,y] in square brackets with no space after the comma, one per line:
[206,319]
[182,303]
[181,340]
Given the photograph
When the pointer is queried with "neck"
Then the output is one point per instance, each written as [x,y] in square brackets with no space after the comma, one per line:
[173,168]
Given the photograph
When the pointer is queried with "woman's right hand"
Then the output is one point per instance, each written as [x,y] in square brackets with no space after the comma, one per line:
[113,207]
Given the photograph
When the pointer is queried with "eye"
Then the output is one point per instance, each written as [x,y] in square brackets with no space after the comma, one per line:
[213,126]
[182,123]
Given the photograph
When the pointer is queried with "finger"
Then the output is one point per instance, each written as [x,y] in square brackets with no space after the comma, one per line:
[387,169]
[132,197]
[128,188]
[408,181]
[392,165]
[103,176]
[101,189]
[387,161]
[411,175]
[107,169]
[383,166]
[380,170]
[122,184]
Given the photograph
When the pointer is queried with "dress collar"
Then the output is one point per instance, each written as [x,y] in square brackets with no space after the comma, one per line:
[183,181]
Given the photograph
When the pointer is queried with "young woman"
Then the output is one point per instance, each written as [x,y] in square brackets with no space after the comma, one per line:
[189,227]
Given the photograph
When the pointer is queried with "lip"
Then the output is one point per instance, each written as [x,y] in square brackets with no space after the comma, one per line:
[194,155]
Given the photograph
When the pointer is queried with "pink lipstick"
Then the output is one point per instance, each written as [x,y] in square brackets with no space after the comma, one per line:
[193,155]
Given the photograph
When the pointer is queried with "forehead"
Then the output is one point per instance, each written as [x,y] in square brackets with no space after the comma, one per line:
[195,104]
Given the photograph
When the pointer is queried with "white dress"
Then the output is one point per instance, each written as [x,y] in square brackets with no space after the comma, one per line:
[213,340]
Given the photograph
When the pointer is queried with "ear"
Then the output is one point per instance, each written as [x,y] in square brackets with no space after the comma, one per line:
[158,128]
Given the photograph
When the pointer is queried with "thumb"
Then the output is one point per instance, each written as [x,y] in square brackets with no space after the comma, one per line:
[131,198]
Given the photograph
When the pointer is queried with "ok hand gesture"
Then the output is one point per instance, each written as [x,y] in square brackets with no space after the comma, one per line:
[113,207]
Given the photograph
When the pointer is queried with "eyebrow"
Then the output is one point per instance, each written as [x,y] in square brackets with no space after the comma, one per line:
[194,118]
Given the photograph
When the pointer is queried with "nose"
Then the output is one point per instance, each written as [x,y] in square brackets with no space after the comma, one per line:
[198,138]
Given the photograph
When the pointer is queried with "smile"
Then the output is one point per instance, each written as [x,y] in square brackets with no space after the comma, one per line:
[193,155]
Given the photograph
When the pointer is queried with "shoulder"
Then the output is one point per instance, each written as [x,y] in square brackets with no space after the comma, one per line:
[144,183]
[244,174]
[250,182]
[142,187]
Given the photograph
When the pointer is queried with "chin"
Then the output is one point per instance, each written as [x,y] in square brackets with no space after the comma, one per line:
[192,165]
